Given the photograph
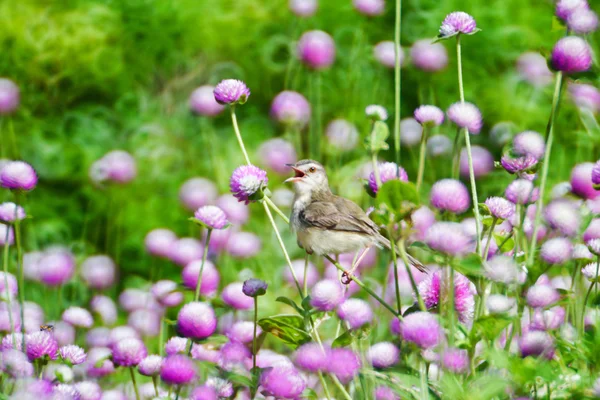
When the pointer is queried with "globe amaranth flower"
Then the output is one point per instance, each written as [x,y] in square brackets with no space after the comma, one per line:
[304,8]
[592,231]
[316,49]
[581,181]
[483,162]
[422,329]
[233,355]
[202,101]
[541,296]
[411,132]
[427,56]
[581,253]
[165,292]
[385,53]
[383,354]
[433,287]
[342,135]
[291,109]
[129,352]
[429,115]
[564,216]
[590,272]
[326,295]
[11,212]
[233,295]
[456,23]
[343,363]
[594,246]
[150,366]
[243,245]
[247,182]
[387,172]
[176,345]
[242,332]
[455,360]
[521,191]
[237,213]
[231,91]
[370,8]
[439,145]
[205,392]
[276,154]
[466,115]
[311,357]
[98,363]
[185,250]
[196,320]
[448,238]
[18,175]
[210,277]
[116,166]
[15,364]
[212,217]
[571,54]
[518,165]
[355,312]
[145,321]
[585,96]
[41,344]
[72,354]
[282,380]
[89,390]
[254,287]
[178,370]
[564,8]
[502,269]
[98,272]
[8,279]
[376,112]
[499,207]
[533,68]
[499,304]
[450,195]
[9,96]
[78,317]
[556,251]
[537,343]
[583,21]
[197,192]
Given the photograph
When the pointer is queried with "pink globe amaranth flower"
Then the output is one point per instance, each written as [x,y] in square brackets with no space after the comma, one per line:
[422,329]
[521,191]
[375,112]
[458,22]
[98,362]
[450,195]
[594,246]
[186,250]
[383,355]
[456,360]
[206,392]
[129,352]
[282,380]
[105,307]
[203,352]
[355,312]
[34,316]
[536,343]
[15,364]
[233,355]
[12,285]
[448,238]
[518,165]
[583,21]
[243,245]
[541,296]
[237,213]
[564,216]
[121,332]
[9,96]
[433,287]
[529,142]
[176,345]
[410,132]
[202,101]
[178,370]
[212,217]
[223,387]
[312,274]
[385,53]
[150,366]
[145,321]
[291,109]
[41,344]
[343,363]
[483,162]
[135,299]
[246,181]
[197,192]
[544,320]
[233,296]
[18,175]
[316,49]
[56,267]
[116,166]
[242,332]
[63,333]
[592,231]
[326,295]
[564,8]
[158,242]
[533,68]
[231,91]
[556,251]
[342,135]
[500,207]
[165,292]
[385,393]
[98,272]
[5,317]
[254,287]
[438,145]
[581,181]
[590,272]
[429,115]
[585,96]
[78,317]
[422,219]
[210,277]
[501,269]
[427,56]
[387,171]
[581,253]
[197,320]
[98,337]
[571,54]
[370,8]
[89,390]
[276,153]
[11,212]
[311,357]
[72,354]
[466,115]
[304,8]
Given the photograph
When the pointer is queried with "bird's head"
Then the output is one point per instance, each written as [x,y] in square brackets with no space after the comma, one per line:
[309,176]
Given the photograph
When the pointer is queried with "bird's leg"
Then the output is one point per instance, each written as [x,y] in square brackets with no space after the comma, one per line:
[358,259]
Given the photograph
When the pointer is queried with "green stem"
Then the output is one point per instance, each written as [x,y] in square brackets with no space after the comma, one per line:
[6,288]
[396,280]
[424,384]
[374,159]
[341,387]
[397,82]
[422,154]
[238,135]
[489,241]
[204,255]
[546,163]
[456,155]
[587,295]
[413,283]
[324,385]
[276,209]
[161,337]
[135,388]
[155,384]
[451,307]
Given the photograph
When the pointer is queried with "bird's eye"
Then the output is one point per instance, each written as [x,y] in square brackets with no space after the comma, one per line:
[312,169]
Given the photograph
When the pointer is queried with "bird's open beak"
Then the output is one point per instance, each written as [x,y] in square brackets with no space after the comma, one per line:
[298,174]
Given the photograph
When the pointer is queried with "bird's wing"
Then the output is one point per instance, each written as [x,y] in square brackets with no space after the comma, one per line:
[332,215]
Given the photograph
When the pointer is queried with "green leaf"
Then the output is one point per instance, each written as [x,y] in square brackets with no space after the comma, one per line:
[289,302]
[490,326]
[287,327]
[507,244]
[376,141]
[398,197]
[471,265]
[239,380]
[343,340]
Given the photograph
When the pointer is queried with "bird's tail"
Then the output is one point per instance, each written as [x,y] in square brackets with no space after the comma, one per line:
[413,261]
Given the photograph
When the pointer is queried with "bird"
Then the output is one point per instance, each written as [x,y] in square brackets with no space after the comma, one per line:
[327,224]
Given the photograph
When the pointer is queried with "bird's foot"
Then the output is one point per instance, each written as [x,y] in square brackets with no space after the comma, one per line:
[346,277]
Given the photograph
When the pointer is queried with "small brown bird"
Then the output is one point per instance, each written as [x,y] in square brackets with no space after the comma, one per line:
[328,224]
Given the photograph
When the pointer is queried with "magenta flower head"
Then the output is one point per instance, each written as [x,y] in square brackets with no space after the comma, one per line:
[594,246]
[231,91]
[432,288]
[243,245]
[590,272]
[585,96]
[10,212]
[375,112]
[450,195]
[583,22]
[571,54]
[537,343]
[422,329]
[383,354]
[483,162]
[529,142]
[196,320]
[233,295]
[41,344]
[58,267]
[355,312]
[556,251]
[178,370]
[98,272]
[129,352]
[316,49]
[466,115]
[500,208]
[15,364]
[592,231]
[341,134]
[185,250]
[521,191]
[150,366]
[242,332]
[519,165]
[456,360]
[581,181]
[311,357]
[211,217]
[542,296]
[98,362]
[448,238]
[385,53]
[291,109]
[427,56]
[343,363]
[158,242]
[326,295]
[9,96]
[202,101]
[533,68]
[564,8]
[176,345]
[387,171]
[165,292]
[78,317]
[429,115]
[276,153]
[385,393]
[197,192]
[18,175]
[237,213]
[304,8]
[233,354]
[564,216]
[72,354]
[210,277]
[283,381]
[254,287]
[247,183]
[116,166]
[370,8]
[410,132]
[456,23]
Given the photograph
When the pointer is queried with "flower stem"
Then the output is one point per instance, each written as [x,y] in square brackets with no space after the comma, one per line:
[424,384]
[6,288]
[276,209]
[397,82]
[204,255]
[587,295]
[161,337]
[238,135]
[20,273]
[155,386]
[413,283]
[324,385]
[422,153]
[340,387]
[135,388]
[396,280]
[489,241]
[451,306]
[546,163]
[254,350]
[374,159]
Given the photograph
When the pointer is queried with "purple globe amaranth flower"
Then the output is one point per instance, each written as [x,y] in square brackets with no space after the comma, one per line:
[341,134]
[11,212]
[438,145]
[581,253]
[247,182]
[370,8]
[422,219]
[78,317]
[483,162]
[583,21]
[18,175]
[145,321]
[385,393]
[564,8]
[236,212]
[115,166]
[533,68]
[450,195]
[223,387]
[502,269]
[312,274]
[411,132]
[430,57]
[581,181]
[150,366]
[385,53]
[594,246]
[383,355]
[375,112]
[537,343]
[202,101]
[197,192]
[456,23]
[231,91]
[521,191]
[166,294]
[98,363]
[571,54]
[592,231]
[282,380]
[41,344]
[500,208]
[135,299]
[529,142]
[276,153]
[254,287]
[233,355]
[176,345]
[456,360]
[448,238]
[564,216]
[15,364]
[205,392]
[429,115]
[212,217]
[355,312]
[129,352]
[326,295]
[196,320]
[12,285]
[178,370]
[98,272]
[233,295]
[556,251]
[433,287]
[422,329]
[387,171]
[344,364]
[585,96]
[121,332]
[242,332]
[499,304]
[72,354]
[542,296]
[291,109]
[311,357]
[316,49]
[518,165]
[186,250]
[466,115]
[210,277]
[9,96]
[57,267]
[304,8]
[590,272]
[548,319]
